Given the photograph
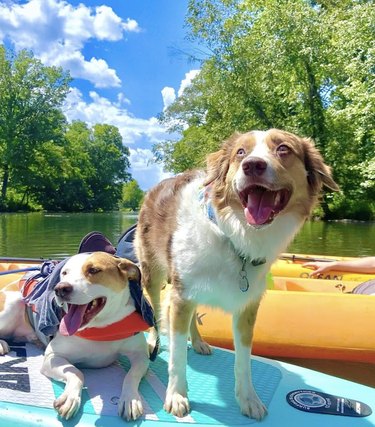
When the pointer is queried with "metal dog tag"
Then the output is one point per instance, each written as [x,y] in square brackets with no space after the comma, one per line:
[322,403]
[244,282]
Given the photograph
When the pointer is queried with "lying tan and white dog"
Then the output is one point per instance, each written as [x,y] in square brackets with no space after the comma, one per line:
[100,324]
[215,234]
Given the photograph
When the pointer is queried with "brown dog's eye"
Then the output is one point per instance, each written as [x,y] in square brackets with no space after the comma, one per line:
[93,270]
[241,152]
[282,150]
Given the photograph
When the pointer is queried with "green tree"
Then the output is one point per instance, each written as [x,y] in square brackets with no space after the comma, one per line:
[110,160]
[350,114]
[132,195]
[90,174]
[307,67]
[31,95]
[66,188]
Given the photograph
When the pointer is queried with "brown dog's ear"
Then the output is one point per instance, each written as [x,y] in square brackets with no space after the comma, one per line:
[318,173]
[218,162]
[215,167]
[131,270]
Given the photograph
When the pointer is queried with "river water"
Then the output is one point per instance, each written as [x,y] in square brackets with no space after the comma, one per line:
[43,235]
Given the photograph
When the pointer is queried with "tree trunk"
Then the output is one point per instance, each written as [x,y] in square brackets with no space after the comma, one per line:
[5,183]
[315,105]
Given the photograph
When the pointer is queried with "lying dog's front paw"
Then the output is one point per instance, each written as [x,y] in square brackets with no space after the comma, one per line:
[130,408]
[4,348]
[67,405]
[252,406]
[177,404]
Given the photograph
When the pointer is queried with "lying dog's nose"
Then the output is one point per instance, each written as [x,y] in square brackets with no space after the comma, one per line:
[63,289]
[254,166]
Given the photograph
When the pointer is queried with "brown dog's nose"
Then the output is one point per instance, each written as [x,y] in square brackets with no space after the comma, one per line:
[63,289]
[254,166]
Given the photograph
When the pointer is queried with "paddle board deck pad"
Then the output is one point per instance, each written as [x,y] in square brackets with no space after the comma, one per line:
[26,396]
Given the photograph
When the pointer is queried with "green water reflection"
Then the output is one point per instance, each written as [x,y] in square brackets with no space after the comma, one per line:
[59,235]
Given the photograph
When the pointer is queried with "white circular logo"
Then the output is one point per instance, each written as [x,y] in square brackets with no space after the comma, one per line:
[309,399]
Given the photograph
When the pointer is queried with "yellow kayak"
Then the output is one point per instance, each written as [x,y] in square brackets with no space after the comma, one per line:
[303,325]
[290,265]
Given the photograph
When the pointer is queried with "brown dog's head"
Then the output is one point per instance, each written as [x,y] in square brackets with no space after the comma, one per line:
[266,174]
[93,289]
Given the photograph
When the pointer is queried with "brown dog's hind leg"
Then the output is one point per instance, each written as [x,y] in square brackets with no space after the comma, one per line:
[198,343]
[152,283]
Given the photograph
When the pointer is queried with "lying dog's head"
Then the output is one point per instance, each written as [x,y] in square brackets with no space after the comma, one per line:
[93,290]
[266,174]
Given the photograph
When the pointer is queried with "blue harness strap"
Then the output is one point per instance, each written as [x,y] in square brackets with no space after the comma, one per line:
[206,204]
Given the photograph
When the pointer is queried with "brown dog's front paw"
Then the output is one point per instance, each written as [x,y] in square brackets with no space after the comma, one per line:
[130,408]
[67,405]
[252,407]
[176,404]
[201,347]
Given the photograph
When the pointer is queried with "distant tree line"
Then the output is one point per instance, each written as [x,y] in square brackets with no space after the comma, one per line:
[132,196]
[45,162]
[304,66]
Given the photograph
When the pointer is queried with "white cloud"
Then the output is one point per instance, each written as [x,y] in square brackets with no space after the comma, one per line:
[102,110]
[169,96]
[169,93]
[144,169]
[122,100]
[106,24]
[187,81]
[56,32]
[131,25]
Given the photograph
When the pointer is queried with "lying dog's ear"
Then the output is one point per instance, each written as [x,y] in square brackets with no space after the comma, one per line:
[318,173]
[131,270]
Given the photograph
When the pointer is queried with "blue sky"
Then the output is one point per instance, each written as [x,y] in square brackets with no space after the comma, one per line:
[120,54]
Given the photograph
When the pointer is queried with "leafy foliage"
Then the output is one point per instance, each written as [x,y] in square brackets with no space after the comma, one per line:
[44,161]
[132,195]
[91,172]
[30,116]
[307,67]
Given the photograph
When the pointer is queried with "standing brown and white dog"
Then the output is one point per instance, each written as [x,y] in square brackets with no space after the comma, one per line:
[99,325]
[214,236]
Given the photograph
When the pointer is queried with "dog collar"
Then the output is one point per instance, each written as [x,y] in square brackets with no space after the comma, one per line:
[124,328]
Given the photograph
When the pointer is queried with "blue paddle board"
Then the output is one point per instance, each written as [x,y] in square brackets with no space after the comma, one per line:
[26,396]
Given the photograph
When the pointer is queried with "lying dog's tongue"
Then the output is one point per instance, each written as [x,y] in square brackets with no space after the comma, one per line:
[72,321]
[260,206]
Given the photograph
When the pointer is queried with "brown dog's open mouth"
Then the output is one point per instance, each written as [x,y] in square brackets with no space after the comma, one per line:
[261,204]
[80,315]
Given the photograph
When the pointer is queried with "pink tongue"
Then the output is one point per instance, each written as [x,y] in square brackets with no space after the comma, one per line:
[71,322]
[260,205]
